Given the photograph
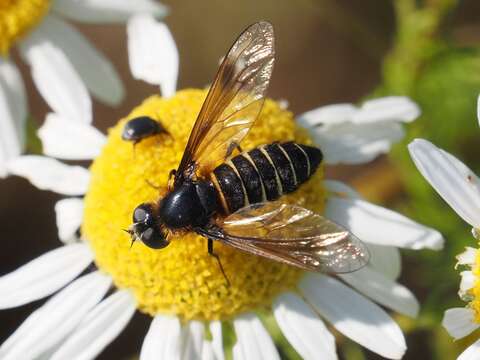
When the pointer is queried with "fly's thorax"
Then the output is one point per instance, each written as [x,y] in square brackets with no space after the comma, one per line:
[190,204]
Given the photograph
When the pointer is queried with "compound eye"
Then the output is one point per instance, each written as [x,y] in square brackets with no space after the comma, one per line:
[154,239]
[142,213]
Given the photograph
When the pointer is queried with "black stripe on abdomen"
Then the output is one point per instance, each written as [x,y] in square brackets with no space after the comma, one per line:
[299,160]
[267,173]
[230,186]
[314,156]
[283,166]
[250,178]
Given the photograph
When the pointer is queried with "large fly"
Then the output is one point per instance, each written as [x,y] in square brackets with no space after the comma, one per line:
[237,200]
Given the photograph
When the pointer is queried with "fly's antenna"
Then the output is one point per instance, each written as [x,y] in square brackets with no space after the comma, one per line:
[132,234]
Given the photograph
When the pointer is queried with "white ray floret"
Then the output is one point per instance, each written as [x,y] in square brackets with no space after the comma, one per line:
[43,276]
[50,174]
[253,340]
[69,216]
[386,260]
[94,69]
[459,322]
[163,339]
[13,113]
[353,135]
[50,324]
[371,222]
[383,290]
[354,316]
[471,353]
[158,64]
[107,11]
[56,79]
[98,328]
[453,181]
[70,140]
[303,328]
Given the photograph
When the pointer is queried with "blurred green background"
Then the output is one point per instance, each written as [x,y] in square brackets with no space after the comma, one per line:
[328,51]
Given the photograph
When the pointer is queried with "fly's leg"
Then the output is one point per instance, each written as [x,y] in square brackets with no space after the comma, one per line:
[152,185]
[210,252]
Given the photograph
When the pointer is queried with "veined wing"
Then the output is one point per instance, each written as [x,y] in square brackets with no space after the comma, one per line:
[293,235]
[233,102]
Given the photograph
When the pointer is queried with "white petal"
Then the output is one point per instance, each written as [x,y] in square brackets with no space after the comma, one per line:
[349,143]
[50,174]
[391,108]
[96,71]
[69,214]
[70,140]
[383,290]
[56,79]
[327,115]
[152,53]
[340,189]
[207,351]
[13,113]
[471,353]
[385,260]
[163,340]
[99,328]
[455,182]
[107,11]
[217,339]
[377,225]
[459,322]
[386,109]
[193,340]
[253,339]
[237,352]
[57,318]
[354,316]
[44,275]
[302,327]
[466,284]
[467,257]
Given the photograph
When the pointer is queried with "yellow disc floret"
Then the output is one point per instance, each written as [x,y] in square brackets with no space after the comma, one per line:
[17,18]
[182,279]
[475,291]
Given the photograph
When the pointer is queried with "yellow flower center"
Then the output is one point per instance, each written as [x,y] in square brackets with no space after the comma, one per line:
[182,279]
[475,291]
[17,18]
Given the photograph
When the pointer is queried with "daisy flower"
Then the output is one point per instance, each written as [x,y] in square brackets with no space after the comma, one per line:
[460,188]
[181,287]
[65,67]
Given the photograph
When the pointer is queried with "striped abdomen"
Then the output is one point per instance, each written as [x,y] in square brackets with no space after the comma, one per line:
[264,173]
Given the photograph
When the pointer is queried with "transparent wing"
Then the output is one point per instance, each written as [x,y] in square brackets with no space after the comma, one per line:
[293,235]
[233,102]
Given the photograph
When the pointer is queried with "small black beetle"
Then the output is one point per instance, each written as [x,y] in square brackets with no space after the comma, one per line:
[141,128]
